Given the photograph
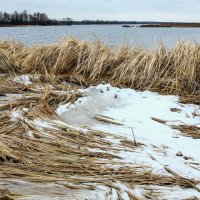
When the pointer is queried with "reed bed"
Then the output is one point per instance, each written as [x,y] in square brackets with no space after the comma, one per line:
[171,71]
[69,156]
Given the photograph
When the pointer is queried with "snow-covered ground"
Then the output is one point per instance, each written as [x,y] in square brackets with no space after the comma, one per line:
[134,115]
[145,118]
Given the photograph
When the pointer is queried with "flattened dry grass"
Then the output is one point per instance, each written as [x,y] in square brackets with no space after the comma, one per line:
[172,71]
[5,194]
[188,130]
[61,154]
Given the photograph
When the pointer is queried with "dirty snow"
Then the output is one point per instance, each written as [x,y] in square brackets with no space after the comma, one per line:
[135,110]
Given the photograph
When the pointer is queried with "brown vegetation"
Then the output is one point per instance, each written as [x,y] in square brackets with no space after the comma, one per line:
[189,131]
[64,155]
[172,71]
[58,153]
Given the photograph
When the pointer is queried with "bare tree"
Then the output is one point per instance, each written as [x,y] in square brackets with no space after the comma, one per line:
[24,18]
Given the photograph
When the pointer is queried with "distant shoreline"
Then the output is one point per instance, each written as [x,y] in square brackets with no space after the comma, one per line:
[171,25]
[9,25]
[124,24]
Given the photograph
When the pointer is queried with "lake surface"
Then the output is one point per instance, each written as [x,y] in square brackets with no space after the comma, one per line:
[113,34]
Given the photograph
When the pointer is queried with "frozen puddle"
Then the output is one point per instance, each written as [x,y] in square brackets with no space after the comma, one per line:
[148,118]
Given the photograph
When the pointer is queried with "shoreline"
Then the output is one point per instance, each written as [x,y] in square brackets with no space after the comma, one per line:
[2,26]
[142,25]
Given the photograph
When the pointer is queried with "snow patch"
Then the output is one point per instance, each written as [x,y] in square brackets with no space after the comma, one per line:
[16,115]
[42,124]
[23,79]
[62,108]
[137,111]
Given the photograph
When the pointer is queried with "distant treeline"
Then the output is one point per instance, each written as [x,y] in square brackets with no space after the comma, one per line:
[25,18]
[83,22]
[37,18]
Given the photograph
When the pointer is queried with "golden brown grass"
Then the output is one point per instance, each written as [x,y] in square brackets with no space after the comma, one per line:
[172,71]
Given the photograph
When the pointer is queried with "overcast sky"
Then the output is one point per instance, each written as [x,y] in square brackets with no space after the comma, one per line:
[136,10]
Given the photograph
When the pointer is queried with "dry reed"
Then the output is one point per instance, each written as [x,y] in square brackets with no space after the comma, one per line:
[172,71]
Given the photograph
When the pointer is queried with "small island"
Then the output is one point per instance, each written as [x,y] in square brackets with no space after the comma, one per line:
[127,26]
[171,25]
